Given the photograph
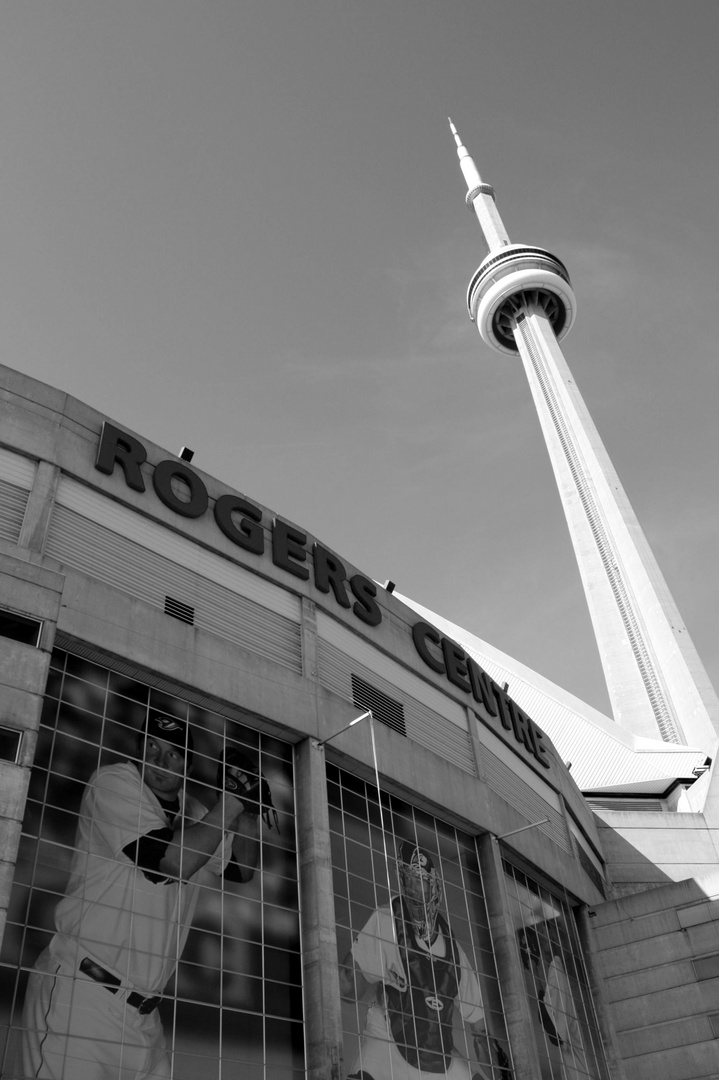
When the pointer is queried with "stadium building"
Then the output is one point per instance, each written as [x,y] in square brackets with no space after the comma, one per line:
[132,581]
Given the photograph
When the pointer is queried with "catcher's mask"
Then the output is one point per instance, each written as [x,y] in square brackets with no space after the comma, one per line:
[420,887]
[241,776]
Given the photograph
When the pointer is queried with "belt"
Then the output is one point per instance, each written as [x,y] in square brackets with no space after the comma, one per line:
[112,983]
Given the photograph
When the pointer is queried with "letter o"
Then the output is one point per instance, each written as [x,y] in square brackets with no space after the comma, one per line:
[161,480]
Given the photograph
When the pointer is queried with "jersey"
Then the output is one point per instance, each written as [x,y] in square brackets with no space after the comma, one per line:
[112,911]
[559,1017]
[421,1014]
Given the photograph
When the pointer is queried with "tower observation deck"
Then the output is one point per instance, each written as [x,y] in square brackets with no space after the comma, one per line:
[523,303]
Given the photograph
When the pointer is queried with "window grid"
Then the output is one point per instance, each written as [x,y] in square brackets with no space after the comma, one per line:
[564,1024]
[91,717]
[363,883]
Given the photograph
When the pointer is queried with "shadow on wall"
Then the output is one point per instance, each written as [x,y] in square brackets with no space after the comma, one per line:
[657,957]
[629,869]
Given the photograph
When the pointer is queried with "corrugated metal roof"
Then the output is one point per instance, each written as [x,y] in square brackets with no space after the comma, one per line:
[603,755]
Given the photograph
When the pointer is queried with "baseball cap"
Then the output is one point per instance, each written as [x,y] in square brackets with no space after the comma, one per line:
[171,729]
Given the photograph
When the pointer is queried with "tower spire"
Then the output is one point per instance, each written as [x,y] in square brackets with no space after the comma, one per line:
[469,169]
[480,198]
[522,301]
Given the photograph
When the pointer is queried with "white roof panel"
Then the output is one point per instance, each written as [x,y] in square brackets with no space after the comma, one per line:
[602,754]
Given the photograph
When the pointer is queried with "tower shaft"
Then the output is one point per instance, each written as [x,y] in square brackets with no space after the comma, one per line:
[522,301]
[656,682]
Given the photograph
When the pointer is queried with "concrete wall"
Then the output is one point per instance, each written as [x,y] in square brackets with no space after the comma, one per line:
[646,849]
[657,956]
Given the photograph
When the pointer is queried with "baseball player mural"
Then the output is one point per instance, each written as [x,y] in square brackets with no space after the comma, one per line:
[421,985]
[142,850]
[563,1055]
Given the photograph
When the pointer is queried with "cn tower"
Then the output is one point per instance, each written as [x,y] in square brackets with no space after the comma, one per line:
[522,301]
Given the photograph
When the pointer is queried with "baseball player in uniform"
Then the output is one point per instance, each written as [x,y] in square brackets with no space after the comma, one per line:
[141,851]
[420,975]
[556,1006]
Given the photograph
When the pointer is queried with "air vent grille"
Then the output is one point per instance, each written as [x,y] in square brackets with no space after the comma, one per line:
[625,804]
[384,708]
[338,672]
[180,611]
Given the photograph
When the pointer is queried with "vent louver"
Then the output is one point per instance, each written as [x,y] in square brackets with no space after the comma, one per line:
[384,708]
[180,611]
[631,803]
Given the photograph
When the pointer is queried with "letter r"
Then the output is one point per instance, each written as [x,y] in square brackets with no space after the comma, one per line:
[116,445]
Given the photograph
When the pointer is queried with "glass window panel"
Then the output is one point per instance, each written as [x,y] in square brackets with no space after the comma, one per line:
[123,711]
[282,965]
[53,687]
[85,670]
[58,659]
[359,858]
[243,941]
[412,940]
[243,1039]
[128,688]
[284,1043]
[334,795]
[564,1026]
[282,1000]
[355,806]
[338,851]
[240,1070]
[342,909]
[283,892]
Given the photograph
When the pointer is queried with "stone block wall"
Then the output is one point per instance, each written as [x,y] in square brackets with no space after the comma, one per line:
[657,955]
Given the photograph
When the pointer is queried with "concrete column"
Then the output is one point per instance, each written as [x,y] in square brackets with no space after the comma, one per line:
[309,639]
[509,964]
[39,507]
[475,743]
[609,1039]
[23,673]
[323,1020]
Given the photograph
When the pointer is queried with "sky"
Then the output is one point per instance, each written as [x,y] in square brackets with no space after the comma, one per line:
[239,226]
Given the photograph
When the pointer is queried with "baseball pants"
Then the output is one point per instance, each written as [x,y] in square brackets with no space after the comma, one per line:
[75,1029]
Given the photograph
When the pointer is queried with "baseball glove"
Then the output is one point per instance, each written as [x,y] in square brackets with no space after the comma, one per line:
[241,777]
[505,1071]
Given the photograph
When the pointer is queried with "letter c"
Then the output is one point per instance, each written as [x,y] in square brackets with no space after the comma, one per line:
[422,632]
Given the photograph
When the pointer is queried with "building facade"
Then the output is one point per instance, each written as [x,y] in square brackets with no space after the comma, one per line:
[135,585]
[132,582]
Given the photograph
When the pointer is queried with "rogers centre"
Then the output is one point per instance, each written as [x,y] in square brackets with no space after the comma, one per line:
[134,586]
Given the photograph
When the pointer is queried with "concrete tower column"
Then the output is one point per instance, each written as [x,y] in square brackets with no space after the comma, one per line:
[517,1014]
[323,1019]
[522,301]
